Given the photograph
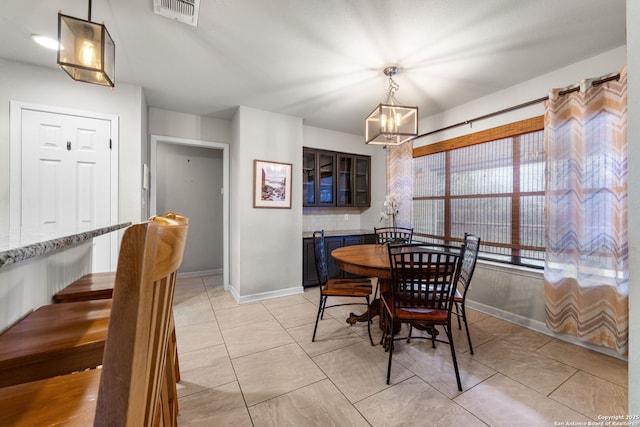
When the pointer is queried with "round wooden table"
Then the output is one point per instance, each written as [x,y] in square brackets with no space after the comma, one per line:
[370,261]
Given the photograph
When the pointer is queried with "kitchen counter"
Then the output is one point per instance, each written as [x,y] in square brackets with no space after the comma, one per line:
[19,248]
[330,233]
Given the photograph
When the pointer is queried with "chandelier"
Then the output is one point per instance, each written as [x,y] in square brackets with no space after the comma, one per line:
[86,51]
[390,123]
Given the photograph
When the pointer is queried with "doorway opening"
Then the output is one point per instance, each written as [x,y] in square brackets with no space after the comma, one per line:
[191,177]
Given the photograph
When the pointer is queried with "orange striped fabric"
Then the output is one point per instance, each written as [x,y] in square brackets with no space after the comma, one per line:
[400,182]
[587,252]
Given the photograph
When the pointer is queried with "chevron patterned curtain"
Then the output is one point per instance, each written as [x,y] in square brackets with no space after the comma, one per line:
[399,181]
[587,254]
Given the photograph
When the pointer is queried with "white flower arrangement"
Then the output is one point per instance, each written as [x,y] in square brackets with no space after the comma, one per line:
[390,210]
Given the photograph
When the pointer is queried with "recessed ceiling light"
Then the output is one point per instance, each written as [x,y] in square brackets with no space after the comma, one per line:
[47,42]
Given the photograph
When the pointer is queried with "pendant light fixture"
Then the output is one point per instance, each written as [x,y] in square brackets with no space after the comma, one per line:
[86,50]
[391,123]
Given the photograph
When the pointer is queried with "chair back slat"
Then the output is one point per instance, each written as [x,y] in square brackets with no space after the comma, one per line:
[423,277]
[471,246]
[471,249]
[393,235]
[136,345]
[320,257]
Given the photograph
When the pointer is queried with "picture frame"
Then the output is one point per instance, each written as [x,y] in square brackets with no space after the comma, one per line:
[271,184]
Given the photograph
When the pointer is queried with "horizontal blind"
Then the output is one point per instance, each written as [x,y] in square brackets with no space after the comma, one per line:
[493,189]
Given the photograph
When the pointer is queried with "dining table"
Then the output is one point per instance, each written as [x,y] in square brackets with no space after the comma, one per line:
[370,260]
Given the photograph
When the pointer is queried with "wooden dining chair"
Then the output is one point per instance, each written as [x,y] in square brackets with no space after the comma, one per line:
[97,286]
[352,288]
[89,287]
[471,248]
[94,286]
[58,339]
[423,283]
[126,390]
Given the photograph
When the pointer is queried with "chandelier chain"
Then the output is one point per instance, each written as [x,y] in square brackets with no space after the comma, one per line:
[393,88]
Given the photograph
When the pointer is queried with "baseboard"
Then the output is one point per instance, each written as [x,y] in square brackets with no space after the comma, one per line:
[200,273]
[265,295]
[541,327]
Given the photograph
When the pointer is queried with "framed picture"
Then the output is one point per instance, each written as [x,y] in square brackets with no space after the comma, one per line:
[271,184]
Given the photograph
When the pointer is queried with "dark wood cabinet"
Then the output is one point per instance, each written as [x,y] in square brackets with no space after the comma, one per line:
[333,179]
[354,182]
[309,275]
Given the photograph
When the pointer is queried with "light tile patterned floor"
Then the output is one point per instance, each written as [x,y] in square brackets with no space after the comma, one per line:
[255,365]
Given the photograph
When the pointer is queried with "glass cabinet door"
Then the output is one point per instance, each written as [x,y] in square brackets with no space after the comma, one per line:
[309,178]
[361,181]
[318,177]
[326,173]
[345,184]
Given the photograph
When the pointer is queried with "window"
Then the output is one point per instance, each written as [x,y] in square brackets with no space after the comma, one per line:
[490,184]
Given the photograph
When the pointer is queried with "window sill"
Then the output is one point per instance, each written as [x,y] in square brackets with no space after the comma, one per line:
[535,273]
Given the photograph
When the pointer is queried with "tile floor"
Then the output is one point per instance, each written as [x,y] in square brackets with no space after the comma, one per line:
[255,365]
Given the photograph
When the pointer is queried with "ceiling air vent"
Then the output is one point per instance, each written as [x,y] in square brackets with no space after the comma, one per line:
[179,10]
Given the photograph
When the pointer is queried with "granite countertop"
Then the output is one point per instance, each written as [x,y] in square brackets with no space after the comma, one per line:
[14,249]
[329,233]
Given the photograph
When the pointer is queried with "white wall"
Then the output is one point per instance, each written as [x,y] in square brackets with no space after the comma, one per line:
[189,126]
[633,73]
[356,218]
[144,155]
[265,244]
[538,87]
[515,295]
[52,87]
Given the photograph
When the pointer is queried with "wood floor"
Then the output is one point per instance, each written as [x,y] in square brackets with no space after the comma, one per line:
[255,365]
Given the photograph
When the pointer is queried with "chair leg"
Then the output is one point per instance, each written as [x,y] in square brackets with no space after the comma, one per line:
[390,345]
[466,327]
[453,355]
[433,337]
[320,309]
[324,304]
[369,322]
[457,305]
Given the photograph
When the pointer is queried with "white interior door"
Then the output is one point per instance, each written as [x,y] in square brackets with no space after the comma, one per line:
[66,185]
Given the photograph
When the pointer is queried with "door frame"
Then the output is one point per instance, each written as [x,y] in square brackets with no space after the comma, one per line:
[155,139]
[15,176]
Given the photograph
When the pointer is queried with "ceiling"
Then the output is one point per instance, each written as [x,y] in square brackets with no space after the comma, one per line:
[322,60]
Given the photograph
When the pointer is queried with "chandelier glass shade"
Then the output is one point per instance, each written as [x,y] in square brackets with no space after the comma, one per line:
[391,123]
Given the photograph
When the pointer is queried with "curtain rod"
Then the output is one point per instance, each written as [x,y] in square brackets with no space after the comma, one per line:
[519,106]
